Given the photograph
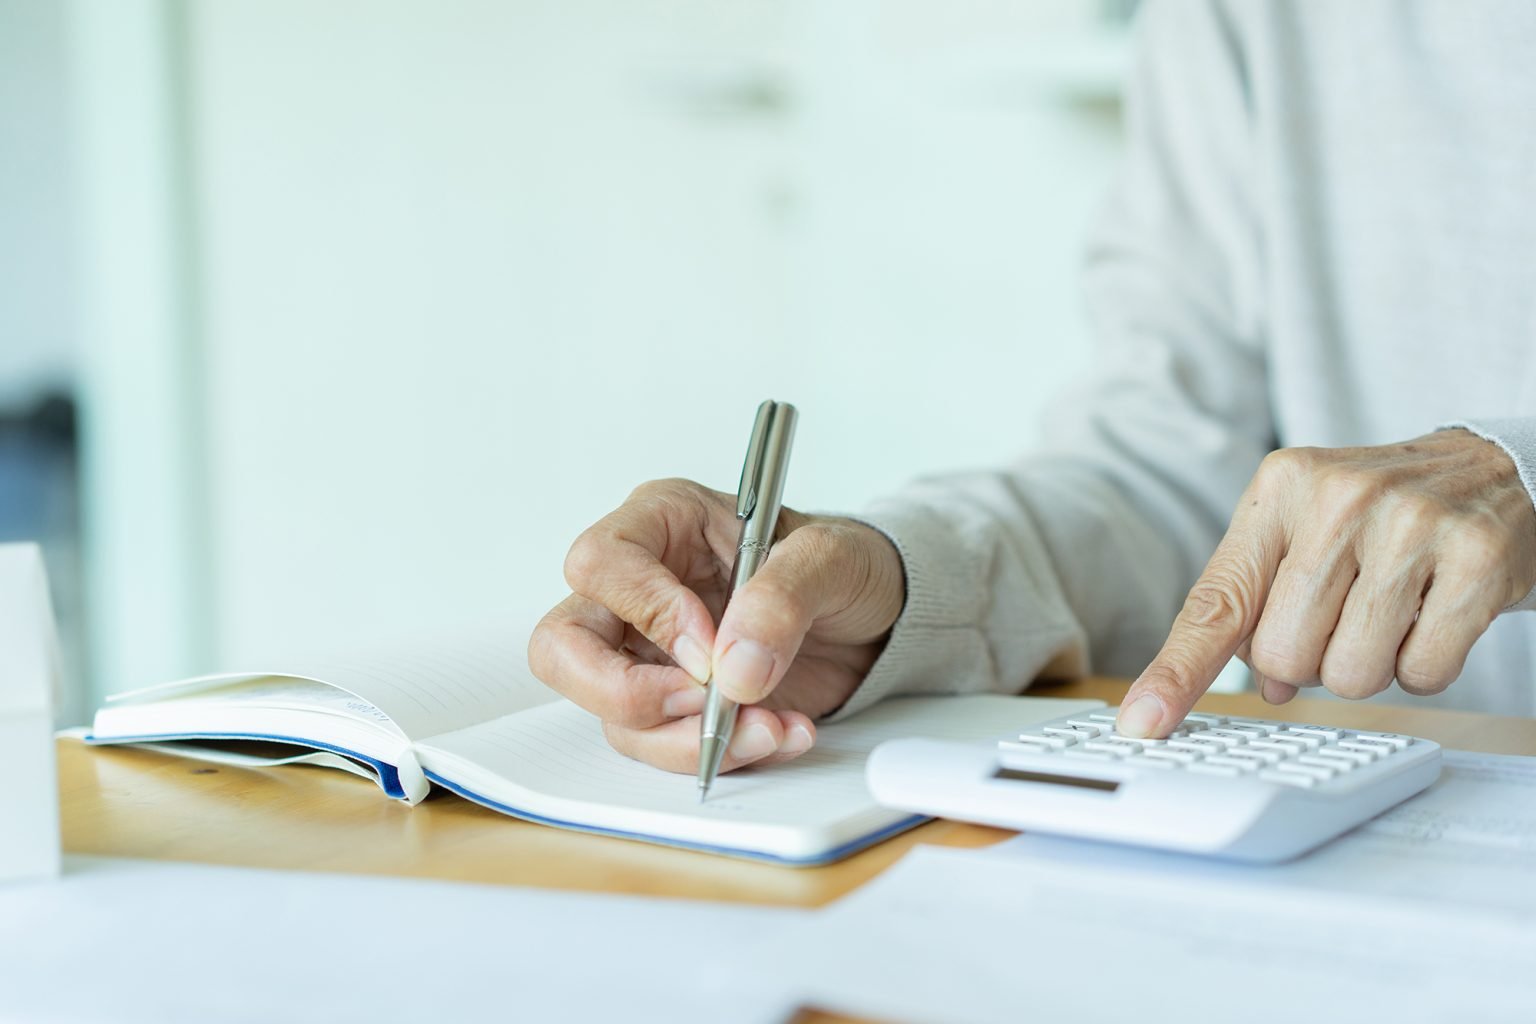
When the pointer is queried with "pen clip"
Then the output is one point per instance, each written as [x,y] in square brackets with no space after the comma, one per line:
[752,468]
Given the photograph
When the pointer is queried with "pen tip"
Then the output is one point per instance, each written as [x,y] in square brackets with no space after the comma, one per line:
[703,792]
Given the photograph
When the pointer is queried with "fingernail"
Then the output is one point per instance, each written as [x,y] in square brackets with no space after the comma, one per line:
[797,740]
[1140,717]
[684,703]
[692,656]
[744,670]
[753,742]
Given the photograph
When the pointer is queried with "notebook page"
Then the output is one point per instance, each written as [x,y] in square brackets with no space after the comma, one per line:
[554,761]
[439,684]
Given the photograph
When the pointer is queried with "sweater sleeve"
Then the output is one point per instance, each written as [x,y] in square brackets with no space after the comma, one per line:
[1517,436]
[1077,557]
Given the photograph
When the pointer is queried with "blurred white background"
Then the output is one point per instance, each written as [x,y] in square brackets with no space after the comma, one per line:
[371,307]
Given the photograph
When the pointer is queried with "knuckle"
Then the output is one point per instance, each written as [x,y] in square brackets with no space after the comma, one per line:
[1414,508]
[677,495]
[1352,680]
[1220,599]
[1479,548]
[663,489]
[1286,463]
[541,649]
[1346,492]
[1283,662]
[1283,468]
[1423,679]
[656,614]
[584,560]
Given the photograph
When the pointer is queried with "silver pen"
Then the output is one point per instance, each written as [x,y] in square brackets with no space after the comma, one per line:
[758,499]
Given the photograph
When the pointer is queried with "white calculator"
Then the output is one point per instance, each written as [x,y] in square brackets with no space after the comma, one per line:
[1241,788]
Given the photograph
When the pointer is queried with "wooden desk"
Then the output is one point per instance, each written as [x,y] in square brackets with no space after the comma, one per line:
[134,803]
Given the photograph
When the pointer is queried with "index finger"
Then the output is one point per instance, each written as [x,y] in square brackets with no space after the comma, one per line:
[576,651]
[617,563]
[1221,611]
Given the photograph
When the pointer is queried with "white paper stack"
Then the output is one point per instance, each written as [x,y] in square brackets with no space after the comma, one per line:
[29,673]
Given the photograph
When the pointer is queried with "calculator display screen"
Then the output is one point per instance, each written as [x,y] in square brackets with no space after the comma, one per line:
[1018,775]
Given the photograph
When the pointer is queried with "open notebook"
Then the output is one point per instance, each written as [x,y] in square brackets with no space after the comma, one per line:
[465,714]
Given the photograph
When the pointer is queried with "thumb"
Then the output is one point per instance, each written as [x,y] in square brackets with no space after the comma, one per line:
[1221,611]
[819,571]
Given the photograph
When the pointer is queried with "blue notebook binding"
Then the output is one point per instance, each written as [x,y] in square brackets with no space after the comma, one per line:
[388,775]
[826,857]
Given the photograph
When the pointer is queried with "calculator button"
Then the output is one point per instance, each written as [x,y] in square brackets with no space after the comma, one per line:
[1078,753]
[1215,740]
[1248,729]
[1067,732]
[1278,746]
[1055,742]
[1143,761]
[1322,760]
[1108,747]
[1232,762]
[1346,754]
[1231,733]
[1372,741]
[1373,749]
[1302,739]
[1256,756]
[1211,748]
[1317,772]
[1321,732]
[1205,719]
[1103,716]
[1032,745]
[1086,723]
[1173,756]
[1393,741]
[1288,778]
[1130,746]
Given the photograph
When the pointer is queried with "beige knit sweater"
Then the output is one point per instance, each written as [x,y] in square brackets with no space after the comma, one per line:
[1324,233]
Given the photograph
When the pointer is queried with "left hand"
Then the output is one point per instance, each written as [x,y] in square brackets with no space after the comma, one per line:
[1346,568]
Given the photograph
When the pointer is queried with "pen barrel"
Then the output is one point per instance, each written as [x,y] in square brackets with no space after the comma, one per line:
[719,721]
[750,556]
[758,501]
[770,462]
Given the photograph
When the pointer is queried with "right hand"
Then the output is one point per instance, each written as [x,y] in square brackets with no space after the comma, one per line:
[636,641]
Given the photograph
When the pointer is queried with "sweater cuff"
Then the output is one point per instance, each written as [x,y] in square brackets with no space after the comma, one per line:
[1517,437]
[936,645]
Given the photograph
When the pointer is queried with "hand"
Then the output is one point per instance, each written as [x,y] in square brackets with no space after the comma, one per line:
[1347,567]
[637,639]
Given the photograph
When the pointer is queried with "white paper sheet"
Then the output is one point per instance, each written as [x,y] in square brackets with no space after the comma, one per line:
[554,761]
[1467,841]
[127,941]
[954,936]
[29,680]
